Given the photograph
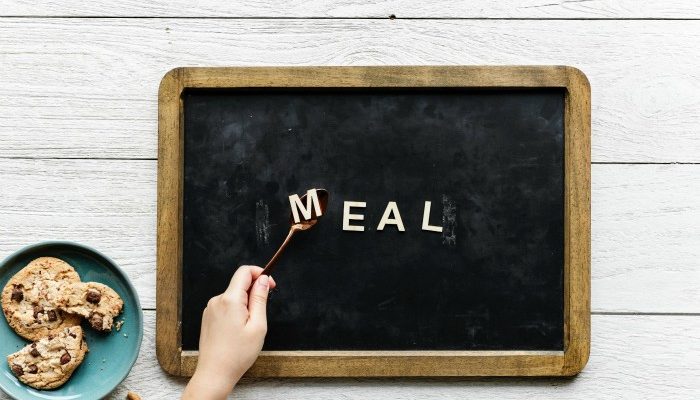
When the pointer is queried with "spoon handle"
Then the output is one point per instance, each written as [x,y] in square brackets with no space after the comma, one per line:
[271,264]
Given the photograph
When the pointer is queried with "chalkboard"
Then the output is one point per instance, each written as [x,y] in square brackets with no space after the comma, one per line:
[483,270]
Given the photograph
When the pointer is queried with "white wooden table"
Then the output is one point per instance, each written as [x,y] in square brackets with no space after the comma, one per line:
[78,128]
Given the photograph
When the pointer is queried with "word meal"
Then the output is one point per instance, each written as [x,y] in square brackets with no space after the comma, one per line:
[391,215]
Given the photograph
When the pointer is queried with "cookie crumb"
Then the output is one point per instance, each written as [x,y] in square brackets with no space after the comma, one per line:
[118,325]
[132,396]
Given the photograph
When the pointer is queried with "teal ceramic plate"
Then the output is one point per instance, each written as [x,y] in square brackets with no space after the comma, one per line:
[111,355]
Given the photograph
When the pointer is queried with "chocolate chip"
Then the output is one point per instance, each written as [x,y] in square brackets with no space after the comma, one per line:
[71,334]
[34,352]
[96,321]
[38,310]
[33,369]
[93,296]
[52,315]
[65,358]
[17,370]
[17,294]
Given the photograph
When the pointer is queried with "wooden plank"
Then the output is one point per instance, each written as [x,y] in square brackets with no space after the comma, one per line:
[171,165]
[108,205]
[643,357]
[87,87]
[360,9]
[645,239]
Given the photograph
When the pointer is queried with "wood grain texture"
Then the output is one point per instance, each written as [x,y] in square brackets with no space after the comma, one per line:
[631,357]
[169,238]
[360,9]
[577,225]
[577,222]
[645,241]
[646,220]
[87,87]
[109,205]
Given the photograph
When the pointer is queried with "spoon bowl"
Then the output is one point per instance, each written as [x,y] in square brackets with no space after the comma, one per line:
[303,225]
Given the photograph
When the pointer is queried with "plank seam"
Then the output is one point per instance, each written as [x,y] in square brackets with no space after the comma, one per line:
[390,17]
[80,158]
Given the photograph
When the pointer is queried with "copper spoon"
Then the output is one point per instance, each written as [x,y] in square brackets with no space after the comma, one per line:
[302,225]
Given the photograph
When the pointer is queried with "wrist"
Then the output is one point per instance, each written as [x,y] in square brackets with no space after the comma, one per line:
[209,386]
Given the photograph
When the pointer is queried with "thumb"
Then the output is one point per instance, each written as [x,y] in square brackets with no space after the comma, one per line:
[257,302]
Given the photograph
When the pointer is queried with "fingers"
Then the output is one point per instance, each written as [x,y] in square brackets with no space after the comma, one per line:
[242,279]
[250,289]
[257,303]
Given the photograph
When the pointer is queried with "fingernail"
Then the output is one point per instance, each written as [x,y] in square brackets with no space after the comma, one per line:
[264,281]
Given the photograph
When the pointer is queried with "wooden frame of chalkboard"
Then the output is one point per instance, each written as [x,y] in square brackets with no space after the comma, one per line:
[382,363]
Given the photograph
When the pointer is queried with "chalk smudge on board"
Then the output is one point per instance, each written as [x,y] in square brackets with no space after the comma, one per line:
[449,217]
[262,223]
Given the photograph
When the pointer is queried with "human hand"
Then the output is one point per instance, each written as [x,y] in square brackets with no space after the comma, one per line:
[234,324]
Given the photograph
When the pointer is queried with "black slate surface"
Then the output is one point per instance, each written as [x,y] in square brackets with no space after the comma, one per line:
[491,163]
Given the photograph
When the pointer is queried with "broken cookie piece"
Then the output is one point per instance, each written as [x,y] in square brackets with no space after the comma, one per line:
[30,296]
[49,362]
[96,302]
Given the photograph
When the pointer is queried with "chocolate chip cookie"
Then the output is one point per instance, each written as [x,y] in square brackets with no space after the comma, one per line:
[49,362]
[30,297]
[98,303]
